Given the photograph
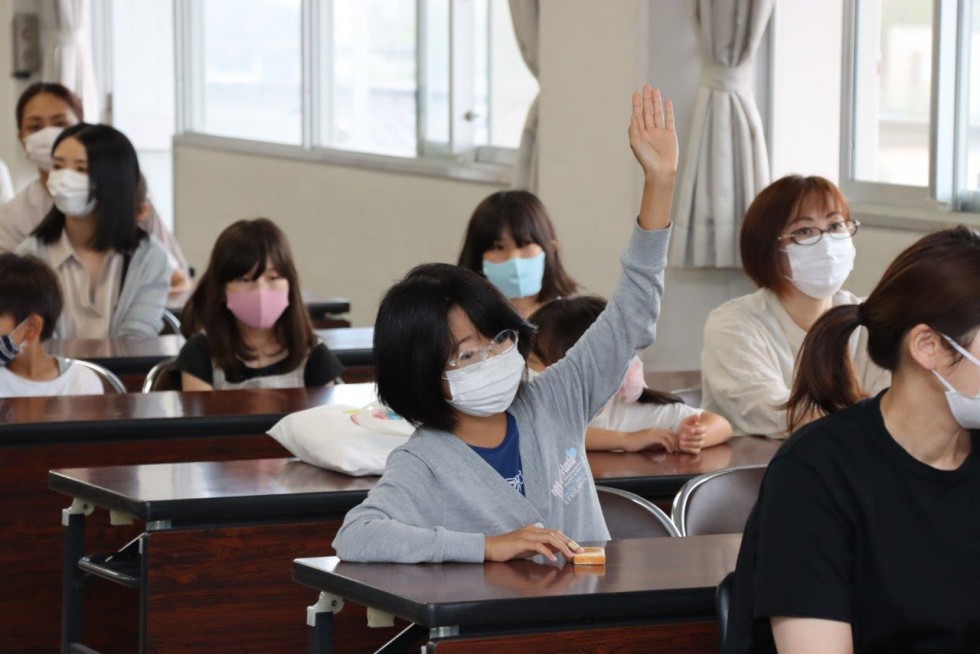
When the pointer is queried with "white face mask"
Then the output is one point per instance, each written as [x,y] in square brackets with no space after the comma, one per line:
[489,387]
[819,270]
[38,146]
[70,191]
[965,408]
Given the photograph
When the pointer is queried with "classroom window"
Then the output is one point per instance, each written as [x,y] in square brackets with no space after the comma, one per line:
[911,115]
[436,79]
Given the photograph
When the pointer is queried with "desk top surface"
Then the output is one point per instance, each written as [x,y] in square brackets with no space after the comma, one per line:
[352,345]
[214,489]
[162,414]
[656,473]
[314,302]
[644,577]
[265,486]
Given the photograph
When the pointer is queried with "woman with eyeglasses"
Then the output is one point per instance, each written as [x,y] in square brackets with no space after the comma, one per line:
[797,246]
[497,468]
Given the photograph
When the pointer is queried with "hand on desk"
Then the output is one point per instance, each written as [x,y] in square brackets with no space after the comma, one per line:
[690,436]
[528,541]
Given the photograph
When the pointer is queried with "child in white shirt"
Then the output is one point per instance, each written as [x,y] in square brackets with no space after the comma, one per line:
[636,417]
[30,304]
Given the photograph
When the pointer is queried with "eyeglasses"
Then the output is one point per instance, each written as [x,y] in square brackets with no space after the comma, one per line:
[501,344]
[811,235]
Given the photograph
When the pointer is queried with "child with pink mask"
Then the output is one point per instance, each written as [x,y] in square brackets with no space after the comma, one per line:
[246,324]
[636,417]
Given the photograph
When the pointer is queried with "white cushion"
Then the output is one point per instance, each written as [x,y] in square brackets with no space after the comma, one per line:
[343,438]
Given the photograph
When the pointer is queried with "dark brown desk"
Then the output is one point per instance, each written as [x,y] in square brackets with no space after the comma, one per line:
[132,358]
[193,512]
[317,305]
[38,434]
[658,476]
[652,595]
[209,571]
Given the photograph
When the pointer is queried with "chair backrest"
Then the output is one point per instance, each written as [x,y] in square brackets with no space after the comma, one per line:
[171,323]
[718,502]
[110,383]
[723,601]
[630,516]
[691,396]
[165,376]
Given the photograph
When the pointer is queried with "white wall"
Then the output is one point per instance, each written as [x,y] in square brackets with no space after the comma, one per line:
[353,232]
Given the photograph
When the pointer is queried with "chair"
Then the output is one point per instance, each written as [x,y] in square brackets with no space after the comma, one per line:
[171,323]
[691,396]
[165,376]
[630,516]
[110,383]
[723,601]
[718,502]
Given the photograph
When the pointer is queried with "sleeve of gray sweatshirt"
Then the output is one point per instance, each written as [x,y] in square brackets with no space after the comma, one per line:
[396,524]
[593,369]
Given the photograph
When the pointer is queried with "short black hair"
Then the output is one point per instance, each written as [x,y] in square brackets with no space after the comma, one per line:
[29,286]
[413,342]
[114,175]
[561,323]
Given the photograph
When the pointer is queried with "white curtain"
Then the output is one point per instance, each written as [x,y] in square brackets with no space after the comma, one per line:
[525,14]
[726,162]
[69,59]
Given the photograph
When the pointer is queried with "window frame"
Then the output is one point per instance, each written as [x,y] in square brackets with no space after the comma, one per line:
[941,202]
[459,161]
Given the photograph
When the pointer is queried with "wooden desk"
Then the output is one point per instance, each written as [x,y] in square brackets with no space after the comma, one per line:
[38,434]
[651,595]
[197,515]
[215,549]
[317,305]
[132,358]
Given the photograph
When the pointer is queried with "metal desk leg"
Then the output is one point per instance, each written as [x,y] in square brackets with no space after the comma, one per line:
[73,519]
[319,618]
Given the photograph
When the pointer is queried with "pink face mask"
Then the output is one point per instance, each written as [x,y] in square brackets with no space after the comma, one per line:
[633,383]
[259,307]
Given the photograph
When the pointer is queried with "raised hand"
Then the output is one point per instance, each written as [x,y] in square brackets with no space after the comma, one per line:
[653,138]
[528,541]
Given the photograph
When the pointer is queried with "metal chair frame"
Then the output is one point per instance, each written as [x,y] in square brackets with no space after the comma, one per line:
[646,505]
[105,375]
[155,372]
[682,501]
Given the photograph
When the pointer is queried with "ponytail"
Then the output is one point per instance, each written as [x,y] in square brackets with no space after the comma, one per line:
[825,380]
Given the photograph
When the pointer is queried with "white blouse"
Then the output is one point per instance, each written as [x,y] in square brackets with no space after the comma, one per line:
[749,358]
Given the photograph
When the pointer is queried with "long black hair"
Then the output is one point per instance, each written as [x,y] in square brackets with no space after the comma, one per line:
[114,173]
[524,214]
[243,249]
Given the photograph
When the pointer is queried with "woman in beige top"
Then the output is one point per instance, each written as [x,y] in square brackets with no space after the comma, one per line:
[797,246]
[43,111]
[113,274]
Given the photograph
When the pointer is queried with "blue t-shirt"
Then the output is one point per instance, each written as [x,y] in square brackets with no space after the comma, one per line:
[506,457]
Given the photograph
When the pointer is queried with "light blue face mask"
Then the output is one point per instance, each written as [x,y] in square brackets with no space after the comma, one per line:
[517,277]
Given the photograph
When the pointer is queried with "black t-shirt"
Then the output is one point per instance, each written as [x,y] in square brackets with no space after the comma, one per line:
[850,527]
[322,366]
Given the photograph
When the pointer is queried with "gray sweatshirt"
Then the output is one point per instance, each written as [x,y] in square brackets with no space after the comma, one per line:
[438,498]
[143,297]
